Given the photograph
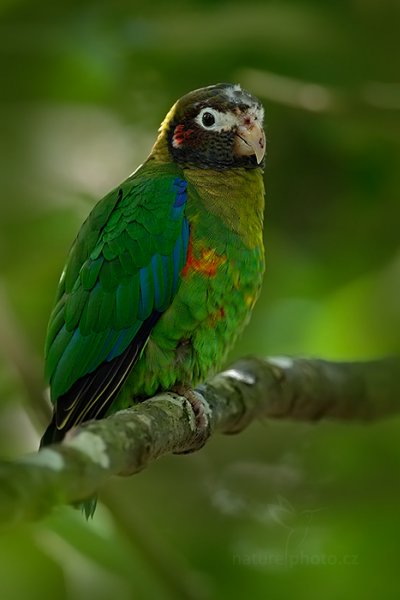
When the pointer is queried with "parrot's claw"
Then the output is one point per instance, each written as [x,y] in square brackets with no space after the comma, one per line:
[201,420]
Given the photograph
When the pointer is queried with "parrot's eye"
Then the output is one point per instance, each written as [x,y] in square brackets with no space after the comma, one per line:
[208,119]
[215,120]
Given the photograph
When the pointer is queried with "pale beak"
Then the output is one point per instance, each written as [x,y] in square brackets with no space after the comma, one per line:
[250,139]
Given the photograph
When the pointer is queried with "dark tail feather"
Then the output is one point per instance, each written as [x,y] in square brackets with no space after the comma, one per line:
[91,396]
[52,435]
[87,507]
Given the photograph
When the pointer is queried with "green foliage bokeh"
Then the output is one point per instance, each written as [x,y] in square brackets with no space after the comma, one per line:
[283,509]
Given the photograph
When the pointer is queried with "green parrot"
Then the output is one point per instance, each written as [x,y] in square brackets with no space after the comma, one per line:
[166,269]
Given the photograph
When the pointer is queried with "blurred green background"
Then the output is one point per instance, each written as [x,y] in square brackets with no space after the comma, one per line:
[282,510]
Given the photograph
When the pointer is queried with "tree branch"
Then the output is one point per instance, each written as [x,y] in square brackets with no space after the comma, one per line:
[128,441]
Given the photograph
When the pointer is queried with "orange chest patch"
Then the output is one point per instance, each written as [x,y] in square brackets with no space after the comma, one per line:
[207,262]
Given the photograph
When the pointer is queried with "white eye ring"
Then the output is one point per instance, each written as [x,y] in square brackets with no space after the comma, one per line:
[222,121]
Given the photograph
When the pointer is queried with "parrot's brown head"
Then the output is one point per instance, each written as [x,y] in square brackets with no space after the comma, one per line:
[216,127]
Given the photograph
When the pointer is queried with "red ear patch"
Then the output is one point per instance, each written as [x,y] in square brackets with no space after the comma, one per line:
[180,135]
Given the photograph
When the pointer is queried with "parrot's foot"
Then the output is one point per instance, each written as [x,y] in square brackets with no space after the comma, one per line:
[201,421]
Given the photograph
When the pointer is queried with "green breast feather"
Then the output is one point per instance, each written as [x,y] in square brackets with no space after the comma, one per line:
[219,286]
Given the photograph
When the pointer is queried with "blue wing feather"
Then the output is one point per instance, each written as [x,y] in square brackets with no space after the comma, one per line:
[121,268]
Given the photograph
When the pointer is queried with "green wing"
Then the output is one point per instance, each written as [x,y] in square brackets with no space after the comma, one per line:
[122,273]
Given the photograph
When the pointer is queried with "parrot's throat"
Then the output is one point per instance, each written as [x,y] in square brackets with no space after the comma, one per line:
[235,196]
